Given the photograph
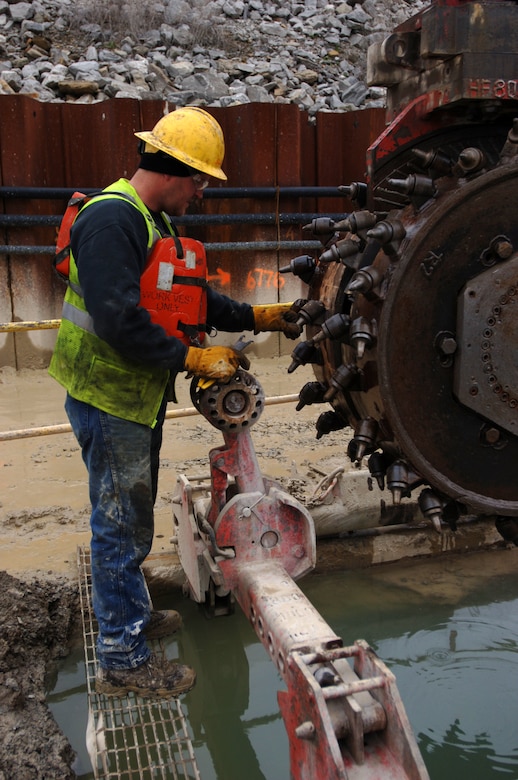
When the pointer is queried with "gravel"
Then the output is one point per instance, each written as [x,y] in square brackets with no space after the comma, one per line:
[203,52]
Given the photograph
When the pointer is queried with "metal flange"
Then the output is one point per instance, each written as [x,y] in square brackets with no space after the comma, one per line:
[234,406]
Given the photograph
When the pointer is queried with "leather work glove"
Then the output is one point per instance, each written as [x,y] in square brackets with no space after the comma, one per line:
[276,316]
[214,363]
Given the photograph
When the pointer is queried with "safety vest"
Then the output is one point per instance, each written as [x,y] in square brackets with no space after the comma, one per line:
[94,372]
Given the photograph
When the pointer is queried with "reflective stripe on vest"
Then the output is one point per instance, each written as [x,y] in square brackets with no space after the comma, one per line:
[78,317]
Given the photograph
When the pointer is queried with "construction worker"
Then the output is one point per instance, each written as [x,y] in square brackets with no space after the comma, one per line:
[116,363]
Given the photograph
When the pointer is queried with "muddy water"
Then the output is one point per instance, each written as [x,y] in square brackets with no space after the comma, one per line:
[447,628]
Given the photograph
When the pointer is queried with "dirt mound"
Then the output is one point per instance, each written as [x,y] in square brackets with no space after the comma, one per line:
[37,619]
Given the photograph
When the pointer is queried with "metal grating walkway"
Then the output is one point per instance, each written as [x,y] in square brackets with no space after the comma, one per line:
[130,738]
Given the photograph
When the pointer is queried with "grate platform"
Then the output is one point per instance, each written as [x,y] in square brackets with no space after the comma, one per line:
[129,737]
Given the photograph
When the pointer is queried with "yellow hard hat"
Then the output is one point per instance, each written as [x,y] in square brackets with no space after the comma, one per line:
[190,135]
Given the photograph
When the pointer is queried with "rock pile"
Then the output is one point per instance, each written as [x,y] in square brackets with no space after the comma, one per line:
[204,52]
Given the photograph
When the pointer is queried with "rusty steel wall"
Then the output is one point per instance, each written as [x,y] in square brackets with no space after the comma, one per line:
[77,146]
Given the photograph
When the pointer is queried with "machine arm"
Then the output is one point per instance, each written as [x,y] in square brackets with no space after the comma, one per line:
[240,534]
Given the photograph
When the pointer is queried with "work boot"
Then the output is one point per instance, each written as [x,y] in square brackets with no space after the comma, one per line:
[163,623]
[156,677]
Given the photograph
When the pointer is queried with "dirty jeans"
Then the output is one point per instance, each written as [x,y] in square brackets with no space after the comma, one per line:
[122,459]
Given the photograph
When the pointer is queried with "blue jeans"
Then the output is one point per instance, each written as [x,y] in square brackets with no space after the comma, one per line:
[122,459]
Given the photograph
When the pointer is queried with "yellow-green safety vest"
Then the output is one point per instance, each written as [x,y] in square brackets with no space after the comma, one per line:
[86,365]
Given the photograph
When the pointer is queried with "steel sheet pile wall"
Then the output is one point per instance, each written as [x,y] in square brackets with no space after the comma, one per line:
[78,146]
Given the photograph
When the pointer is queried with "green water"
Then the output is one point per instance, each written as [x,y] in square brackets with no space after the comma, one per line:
[448,629]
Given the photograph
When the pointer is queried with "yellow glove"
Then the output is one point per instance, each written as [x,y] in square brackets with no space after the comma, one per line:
[216,363]
[276,316]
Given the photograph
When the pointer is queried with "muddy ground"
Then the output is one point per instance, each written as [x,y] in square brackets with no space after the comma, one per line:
[44,517]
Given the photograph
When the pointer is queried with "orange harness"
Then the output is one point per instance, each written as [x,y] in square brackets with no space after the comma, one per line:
[174,282]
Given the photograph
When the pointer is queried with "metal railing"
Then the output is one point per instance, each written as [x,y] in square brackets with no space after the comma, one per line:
[171,414]
[276,218]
